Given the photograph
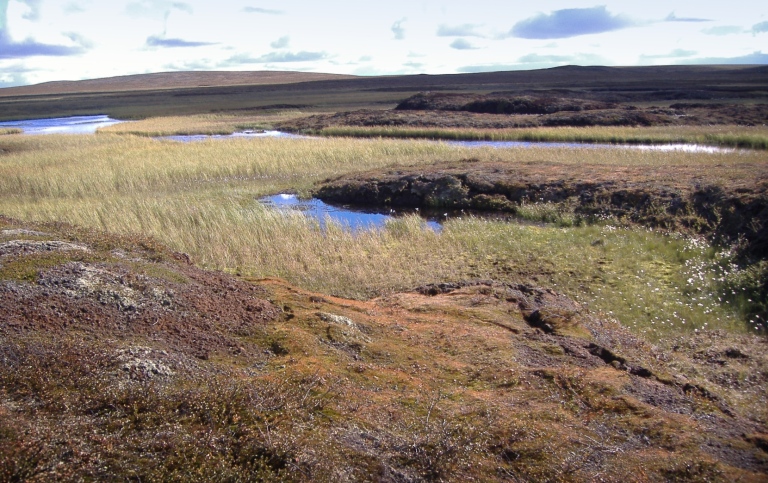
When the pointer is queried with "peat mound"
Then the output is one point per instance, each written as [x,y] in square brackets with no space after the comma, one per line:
[499,104]
[686,202]
[480,120]
[54,285]
[504,110]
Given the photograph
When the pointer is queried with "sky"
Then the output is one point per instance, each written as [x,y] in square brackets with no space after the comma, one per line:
[49,40]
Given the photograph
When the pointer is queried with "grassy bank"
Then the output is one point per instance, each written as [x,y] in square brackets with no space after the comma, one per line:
[209,124]
[724,136]
[201,198]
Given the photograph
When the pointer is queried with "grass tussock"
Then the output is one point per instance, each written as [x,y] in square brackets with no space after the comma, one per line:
[9,130]
[724,136]
[201,199]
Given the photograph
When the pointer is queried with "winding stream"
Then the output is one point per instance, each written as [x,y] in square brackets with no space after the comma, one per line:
[354,217]
[62,125]
[89,125]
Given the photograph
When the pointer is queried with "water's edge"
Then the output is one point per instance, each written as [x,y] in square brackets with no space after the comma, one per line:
[89,125]
[355,218]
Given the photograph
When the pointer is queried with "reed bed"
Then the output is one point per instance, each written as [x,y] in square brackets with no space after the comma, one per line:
[724,136]
[105,166]
[201,198]
[210,124]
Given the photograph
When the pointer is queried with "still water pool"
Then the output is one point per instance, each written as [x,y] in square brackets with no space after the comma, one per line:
[62,125]
[355,217]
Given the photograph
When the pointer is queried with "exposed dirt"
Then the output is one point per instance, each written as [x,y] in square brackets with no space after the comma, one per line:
[122,360]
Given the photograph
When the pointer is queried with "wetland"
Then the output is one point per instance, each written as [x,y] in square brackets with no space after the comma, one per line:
[162,318]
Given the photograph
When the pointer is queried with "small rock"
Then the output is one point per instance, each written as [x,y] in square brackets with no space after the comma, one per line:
[735,353]
[336,319]
[142,363]
[640,371]
[17,247]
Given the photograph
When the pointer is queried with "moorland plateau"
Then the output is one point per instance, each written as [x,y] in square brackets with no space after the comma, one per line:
[158,323]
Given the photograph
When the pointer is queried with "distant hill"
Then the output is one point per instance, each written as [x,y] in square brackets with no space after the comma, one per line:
[199,92]
[568,74]
[169,80]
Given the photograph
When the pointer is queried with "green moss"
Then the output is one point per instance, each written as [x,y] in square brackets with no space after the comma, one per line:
[159,271]
[27,268]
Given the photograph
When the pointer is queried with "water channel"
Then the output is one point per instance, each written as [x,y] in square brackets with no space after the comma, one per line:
[354,217]
[61,125]
[89,125]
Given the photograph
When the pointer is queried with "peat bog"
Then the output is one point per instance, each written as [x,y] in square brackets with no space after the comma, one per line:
[158,323]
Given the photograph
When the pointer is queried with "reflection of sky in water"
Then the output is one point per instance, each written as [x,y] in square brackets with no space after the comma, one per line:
[89,125]
[243,134]
[62,125]
[688,148]
[358,218]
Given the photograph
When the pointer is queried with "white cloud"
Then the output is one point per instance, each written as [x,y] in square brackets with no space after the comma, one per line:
[267,11]
[157,41]
[674,18]
[33,12]
[462,44]
[281,43]
[398,29]
[153,8]
[760,27]
[571,22]
[674,54]
[723,30]
[277,57]
[71,39]
[464,30]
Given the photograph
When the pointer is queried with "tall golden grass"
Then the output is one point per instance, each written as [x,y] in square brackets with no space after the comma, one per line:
[726,136]
[209,124]
[202,198]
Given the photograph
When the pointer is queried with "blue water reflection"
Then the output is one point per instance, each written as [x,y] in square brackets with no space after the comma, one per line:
[356,218]
[241,134]
[61,125]
[89,125]
[688,148]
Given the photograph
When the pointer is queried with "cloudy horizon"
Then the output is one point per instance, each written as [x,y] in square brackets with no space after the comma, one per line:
[48,40]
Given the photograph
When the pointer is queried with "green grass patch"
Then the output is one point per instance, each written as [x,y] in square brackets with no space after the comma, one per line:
[27,268]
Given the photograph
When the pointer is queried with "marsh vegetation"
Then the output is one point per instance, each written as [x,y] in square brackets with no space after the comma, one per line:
[202,199]
[721,136]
